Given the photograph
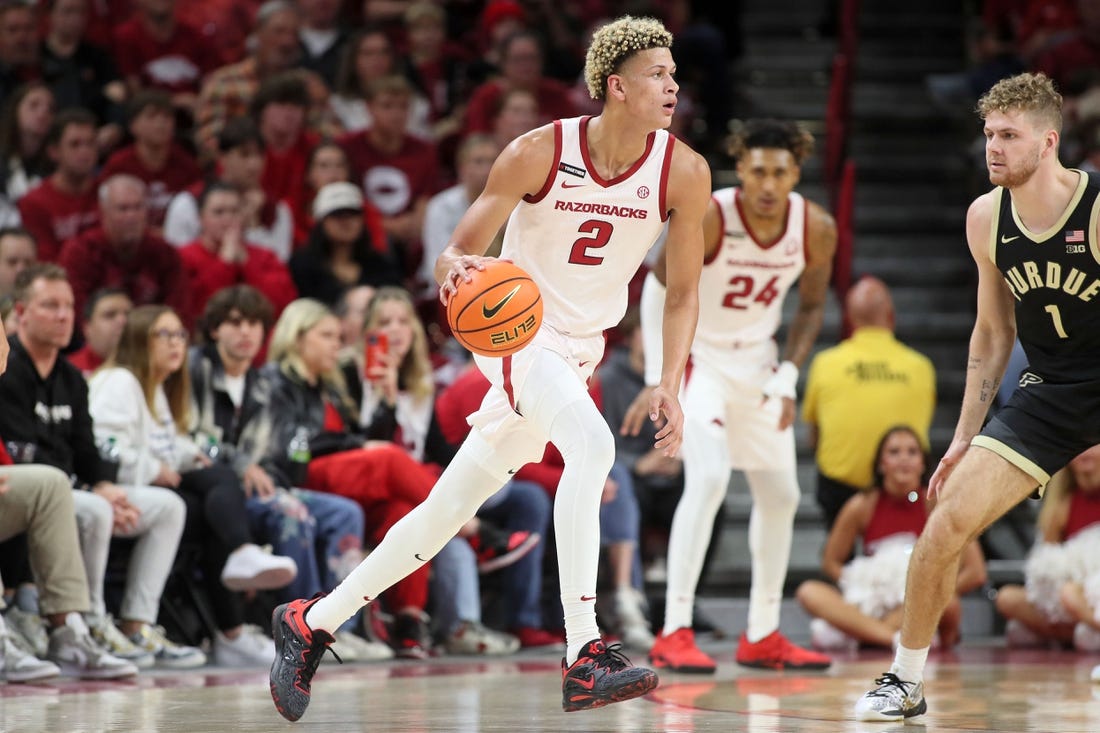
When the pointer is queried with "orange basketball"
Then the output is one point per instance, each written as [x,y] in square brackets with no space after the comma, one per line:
[498,312]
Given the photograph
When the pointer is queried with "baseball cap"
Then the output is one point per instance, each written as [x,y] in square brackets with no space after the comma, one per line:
[334,197]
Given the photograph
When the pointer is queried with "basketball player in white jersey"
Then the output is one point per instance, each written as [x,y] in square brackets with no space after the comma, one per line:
[584,200]
[738,402]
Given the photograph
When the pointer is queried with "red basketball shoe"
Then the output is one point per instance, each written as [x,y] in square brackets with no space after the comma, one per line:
[678,652]
[298,651]
[600,676]
[775,651]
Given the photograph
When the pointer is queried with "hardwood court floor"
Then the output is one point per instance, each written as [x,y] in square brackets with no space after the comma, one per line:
[975,689]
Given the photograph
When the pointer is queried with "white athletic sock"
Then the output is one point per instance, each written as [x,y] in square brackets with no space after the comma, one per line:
[771,529]
[411,542]
[909,663]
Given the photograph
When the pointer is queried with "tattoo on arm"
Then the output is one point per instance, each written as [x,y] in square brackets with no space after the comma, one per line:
[973,363]
[989,389]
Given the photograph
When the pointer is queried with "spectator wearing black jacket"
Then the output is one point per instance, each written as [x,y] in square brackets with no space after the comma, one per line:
[340,254]
[45,413]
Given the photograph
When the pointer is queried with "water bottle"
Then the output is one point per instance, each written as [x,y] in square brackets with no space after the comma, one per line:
[212,449]
[298,453]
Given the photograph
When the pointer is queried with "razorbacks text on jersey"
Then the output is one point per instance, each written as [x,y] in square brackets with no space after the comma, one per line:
[743,284]
[581,237]
[1055,278]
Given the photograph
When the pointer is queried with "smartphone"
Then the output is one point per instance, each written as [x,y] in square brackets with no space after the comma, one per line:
[376,346]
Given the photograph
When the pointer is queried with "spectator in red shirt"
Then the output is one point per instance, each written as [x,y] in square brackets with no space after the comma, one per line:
[280,110]
[269,223]
[229,90]
[18,46]
[154,157]
[105,316]
[221,257]
[64,204]
[123,253]
[155,49]
[521,68]
[517,113]
[399,172]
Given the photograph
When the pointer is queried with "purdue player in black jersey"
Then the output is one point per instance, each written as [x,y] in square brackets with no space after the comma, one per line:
[1034,239]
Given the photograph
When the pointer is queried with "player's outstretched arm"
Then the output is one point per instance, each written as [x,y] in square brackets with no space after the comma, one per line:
[688,198]
[520,169]
[990,342]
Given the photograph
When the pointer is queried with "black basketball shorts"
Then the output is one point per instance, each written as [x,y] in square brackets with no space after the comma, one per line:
[1044,426]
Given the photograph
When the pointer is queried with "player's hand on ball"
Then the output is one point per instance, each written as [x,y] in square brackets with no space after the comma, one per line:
[947,464]
[637,413]
[459,273]
[664,404]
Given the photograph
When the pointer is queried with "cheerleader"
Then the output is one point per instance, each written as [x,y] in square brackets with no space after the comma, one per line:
[865,604]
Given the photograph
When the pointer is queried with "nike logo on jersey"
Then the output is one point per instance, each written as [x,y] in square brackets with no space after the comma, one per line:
[1006,240]
[490,312]
[567,184]
[417,556]
[581,364]
[511,471]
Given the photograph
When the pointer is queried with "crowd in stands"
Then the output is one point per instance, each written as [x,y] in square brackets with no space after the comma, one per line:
[230,196]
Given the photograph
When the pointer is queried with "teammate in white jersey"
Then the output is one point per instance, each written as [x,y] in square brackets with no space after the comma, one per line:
[738,402]
[584,200]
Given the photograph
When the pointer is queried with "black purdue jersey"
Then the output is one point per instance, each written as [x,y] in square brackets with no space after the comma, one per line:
[1055,278]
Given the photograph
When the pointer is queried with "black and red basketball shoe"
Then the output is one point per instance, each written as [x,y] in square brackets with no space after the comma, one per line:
[600,676]
[298,651]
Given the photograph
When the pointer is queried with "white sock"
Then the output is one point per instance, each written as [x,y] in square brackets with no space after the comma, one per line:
[909,663]
[771,529]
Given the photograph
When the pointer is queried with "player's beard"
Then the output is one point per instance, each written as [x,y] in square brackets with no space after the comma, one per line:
[1019,174]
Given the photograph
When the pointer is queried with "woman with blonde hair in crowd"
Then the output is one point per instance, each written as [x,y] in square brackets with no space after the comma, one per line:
[865,604]
[1061,593]
[398,405]
[141,401]
[317,442]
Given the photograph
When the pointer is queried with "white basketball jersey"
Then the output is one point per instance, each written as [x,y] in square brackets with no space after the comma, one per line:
[582,238]
[742,286]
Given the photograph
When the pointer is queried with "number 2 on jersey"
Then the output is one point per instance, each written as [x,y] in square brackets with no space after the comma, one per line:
[599,232]
[1056,316]
[743,287]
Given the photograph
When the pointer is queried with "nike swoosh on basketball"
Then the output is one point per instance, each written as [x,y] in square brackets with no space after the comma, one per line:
[490,312]
[567,184]
[1006,240]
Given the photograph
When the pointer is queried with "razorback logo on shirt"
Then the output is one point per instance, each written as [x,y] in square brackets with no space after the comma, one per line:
[623,212]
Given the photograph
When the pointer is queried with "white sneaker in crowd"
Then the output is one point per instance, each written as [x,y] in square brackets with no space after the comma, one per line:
[18,665]
[108,636]
[473,637]
[74,650]
[250,568]
[167,653]
[630,607]
[1096,673]
[353,648]
[251,648]
[29,627]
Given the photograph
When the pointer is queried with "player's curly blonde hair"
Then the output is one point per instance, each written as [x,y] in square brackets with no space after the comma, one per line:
[1034,93]
[614,43]
[766,133]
